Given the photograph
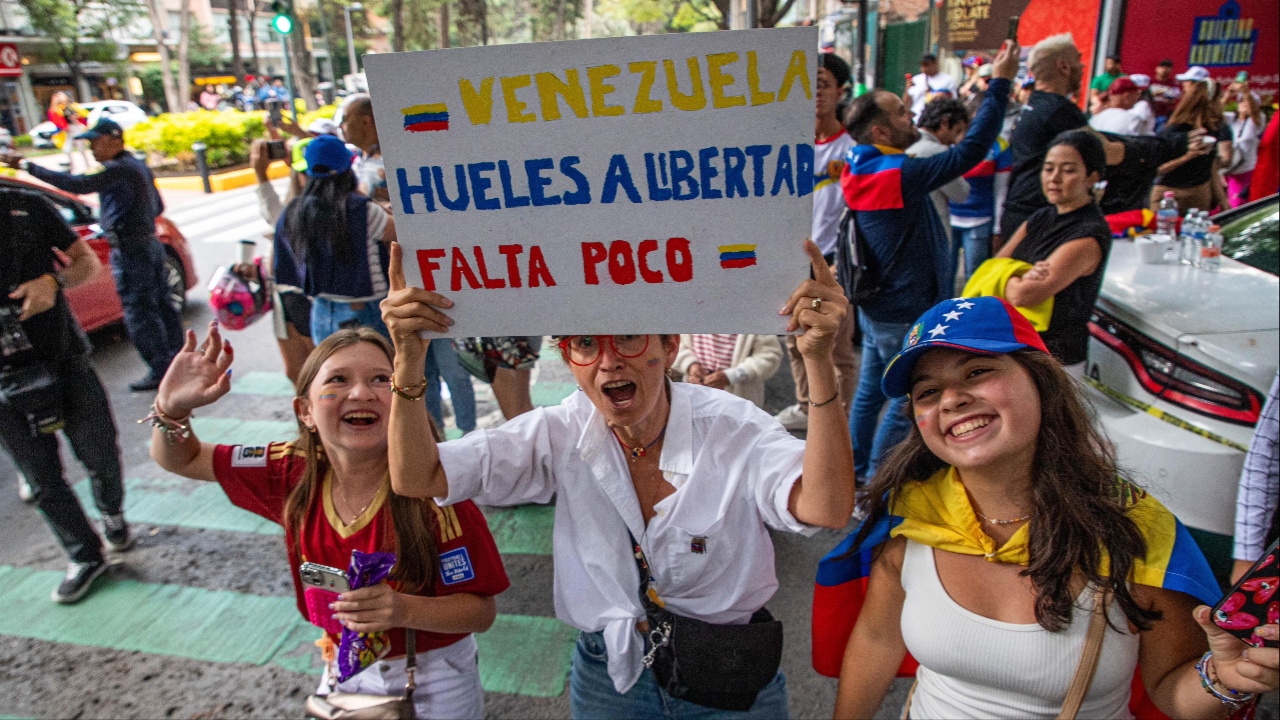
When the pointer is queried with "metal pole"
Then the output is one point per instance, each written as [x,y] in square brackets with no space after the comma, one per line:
[328,48]
[351,43]
[288,76]
[202,164]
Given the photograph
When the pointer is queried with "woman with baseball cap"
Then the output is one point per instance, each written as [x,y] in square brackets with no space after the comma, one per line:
[1193,176]
[1004,545]
[333,243]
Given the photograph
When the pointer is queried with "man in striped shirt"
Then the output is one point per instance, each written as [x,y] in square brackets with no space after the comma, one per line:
[1259,492]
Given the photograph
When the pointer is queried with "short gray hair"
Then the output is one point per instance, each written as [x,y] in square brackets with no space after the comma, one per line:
[1050,50]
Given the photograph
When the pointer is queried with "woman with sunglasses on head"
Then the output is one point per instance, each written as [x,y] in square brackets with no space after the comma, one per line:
[669,487]
[1004,545]
[330,491]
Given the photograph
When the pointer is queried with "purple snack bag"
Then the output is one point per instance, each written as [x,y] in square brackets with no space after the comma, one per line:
[358,650]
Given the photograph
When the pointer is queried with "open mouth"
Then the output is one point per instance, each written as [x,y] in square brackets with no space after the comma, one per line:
[620,392]
[969,427]
[360,418]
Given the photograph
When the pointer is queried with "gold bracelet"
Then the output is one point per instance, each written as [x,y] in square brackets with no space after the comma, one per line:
[404,392]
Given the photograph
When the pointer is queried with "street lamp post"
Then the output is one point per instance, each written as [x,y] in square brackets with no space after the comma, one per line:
[351,43]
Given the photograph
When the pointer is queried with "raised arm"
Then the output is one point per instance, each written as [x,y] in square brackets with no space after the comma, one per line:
[412,450]
[824,495]
[198,376]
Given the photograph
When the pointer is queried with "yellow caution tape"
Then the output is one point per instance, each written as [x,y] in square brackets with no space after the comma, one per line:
[1162,415]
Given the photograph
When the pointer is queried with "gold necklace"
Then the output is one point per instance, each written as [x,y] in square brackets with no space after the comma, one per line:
[342,492]
[1001,522]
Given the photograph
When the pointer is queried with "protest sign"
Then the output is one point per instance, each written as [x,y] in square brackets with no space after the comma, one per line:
[656,184]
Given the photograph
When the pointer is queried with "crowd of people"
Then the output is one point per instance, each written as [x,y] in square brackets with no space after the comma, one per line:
[1006,551]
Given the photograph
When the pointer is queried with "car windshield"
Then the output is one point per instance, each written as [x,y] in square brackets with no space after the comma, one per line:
[1254,238]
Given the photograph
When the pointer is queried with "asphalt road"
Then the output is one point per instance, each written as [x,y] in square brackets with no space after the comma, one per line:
[197,620]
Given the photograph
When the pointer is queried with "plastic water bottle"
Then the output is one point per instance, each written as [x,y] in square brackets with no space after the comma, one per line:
[1167,216]
[1211,249]
[1186,240]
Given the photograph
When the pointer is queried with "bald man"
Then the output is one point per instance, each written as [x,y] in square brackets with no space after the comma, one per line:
[359,129]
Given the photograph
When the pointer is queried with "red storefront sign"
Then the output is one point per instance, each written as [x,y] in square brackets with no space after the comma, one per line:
[10,60]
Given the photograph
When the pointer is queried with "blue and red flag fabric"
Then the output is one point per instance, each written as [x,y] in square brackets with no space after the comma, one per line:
[872,178]
[936,512]
[424,118]
[737,256]
[1132,222]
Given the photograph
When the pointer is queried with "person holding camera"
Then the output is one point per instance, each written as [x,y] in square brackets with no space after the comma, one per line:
[47,384]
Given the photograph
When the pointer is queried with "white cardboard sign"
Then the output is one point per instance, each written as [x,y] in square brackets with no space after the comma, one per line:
[656,184]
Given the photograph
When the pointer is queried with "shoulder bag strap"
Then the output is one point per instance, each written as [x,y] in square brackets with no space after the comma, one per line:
[1088,658]
[410,662]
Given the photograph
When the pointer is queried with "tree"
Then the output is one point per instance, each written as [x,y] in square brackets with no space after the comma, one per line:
[184,60]
[233,31]
[159,21]
[253,35]
[76,28]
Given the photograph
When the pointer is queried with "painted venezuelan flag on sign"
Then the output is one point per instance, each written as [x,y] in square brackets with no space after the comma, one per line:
[737,256]
[872,178]
[423,118]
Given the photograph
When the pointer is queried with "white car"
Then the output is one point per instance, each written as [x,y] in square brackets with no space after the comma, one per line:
[122,112]
[1180,362]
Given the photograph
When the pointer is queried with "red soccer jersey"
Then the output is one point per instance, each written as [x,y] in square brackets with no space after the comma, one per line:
[259,478]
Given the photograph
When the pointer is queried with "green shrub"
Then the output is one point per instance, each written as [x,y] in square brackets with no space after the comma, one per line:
[167,138]
[22,141]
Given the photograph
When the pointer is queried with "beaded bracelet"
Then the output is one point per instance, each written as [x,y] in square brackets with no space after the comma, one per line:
[1233,698]
[404,391]
[174,431]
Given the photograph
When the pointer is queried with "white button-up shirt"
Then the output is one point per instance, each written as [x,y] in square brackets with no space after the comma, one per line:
[709,551]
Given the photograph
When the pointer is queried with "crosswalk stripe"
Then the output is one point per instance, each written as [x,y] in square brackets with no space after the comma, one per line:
[522,530]
[228,627]
[262,383]
[234,431]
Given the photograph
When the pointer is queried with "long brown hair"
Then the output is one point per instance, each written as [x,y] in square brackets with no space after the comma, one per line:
[417,556]
[1078,516]
[1198,108]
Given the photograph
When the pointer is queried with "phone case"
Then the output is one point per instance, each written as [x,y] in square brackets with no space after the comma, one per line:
[318,611]
[1252,602]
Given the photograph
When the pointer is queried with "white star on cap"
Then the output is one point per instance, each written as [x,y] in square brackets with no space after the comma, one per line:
[964,305]
[939,329]
[952,316]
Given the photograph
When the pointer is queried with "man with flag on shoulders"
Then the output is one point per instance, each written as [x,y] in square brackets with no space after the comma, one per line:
[888,194]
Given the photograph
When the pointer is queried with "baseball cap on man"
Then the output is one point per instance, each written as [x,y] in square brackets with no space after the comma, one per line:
[1142,81]
[983,325]
[1195,73]
[326,155]
[1122,84]
[104,128]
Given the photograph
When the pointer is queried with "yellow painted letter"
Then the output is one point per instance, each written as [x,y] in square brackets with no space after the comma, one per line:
[596,77]
[644,102]
[753,81]
[797,69]
[570,89]
[479,103]
[697,99]
[515,106]
[719,80]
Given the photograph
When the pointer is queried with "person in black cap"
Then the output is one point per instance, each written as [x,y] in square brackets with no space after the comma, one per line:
[130,204]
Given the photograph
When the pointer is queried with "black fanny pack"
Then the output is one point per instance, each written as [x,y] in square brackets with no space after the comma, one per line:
[717,666]
[33,392]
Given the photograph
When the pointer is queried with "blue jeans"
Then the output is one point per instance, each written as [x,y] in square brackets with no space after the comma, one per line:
[976,242]
[442,362]
[330,316]
[142,281]
[872,438]
[592,695]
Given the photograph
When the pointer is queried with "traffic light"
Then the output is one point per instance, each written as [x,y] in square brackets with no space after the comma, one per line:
[283,20]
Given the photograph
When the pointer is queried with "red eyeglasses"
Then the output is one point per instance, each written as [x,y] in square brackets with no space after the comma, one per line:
[584,350]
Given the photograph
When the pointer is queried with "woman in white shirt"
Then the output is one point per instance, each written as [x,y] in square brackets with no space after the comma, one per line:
[693,477]
[1246,128]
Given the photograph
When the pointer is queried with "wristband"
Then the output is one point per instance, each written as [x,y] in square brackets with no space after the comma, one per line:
[404,391]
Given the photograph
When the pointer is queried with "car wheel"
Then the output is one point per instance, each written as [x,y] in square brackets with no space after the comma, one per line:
[176,279]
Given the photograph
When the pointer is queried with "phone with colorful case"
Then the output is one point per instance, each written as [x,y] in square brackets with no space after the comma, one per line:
[1253,601]
[323,584]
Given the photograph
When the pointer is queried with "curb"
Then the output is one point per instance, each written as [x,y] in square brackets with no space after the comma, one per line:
[221,182]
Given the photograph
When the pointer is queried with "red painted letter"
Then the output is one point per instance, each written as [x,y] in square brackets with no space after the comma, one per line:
[622,267]
[513,270]
[538,273]
[489,283]
[593,253]
[428,266]
[650,275]
[679,260]
[462,269]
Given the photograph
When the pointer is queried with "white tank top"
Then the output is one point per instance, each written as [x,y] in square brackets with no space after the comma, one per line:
[975,667]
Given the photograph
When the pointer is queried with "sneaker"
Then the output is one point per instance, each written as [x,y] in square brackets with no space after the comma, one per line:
[793,418]
[25,492]
[116,531]
[146,384]
[79,579]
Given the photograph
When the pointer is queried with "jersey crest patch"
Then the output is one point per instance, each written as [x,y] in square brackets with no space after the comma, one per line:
[249,456]
[455,567]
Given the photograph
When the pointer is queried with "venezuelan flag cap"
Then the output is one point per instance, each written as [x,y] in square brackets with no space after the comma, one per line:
[985,325]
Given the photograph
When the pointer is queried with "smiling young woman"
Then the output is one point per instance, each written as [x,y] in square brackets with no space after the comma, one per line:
[330,491]
[1008,523]
[665,494]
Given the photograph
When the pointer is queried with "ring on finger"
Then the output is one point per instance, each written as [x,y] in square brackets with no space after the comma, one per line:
[816,305]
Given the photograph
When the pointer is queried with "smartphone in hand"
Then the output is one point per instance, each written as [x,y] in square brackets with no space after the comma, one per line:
[276,150]
[1013,28]
[323,585]
[1253,601]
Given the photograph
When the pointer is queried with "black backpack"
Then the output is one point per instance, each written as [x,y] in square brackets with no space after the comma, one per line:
[857,268]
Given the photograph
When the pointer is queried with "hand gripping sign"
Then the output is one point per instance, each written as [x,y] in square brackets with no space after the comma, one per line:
[655,184]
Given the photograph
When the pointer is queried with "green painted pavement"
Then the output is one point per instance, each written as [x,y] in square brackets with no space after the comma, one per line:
[522,530]
[262,383]
[234,431]
[229,627]
[183,503]
[546,394]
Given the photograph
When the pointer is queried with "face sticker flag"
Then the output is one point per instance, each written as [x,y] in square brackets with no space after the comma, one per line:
[422,118]
[604,186]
